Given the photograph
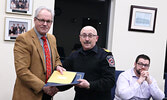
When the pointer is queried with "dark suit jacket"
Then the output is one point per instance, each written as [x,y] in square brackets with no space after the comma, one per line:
[30,65]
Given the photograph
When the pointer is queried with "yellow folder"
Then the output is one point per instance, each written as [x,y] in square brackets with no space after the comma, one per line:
[66,78]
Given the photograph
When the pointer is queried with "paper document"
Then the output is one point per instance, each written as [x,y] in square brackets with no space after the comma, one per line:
[66,78]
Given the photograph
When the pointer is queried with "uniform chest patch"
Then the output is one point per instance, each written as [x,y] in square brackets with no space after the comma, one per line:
[111,61]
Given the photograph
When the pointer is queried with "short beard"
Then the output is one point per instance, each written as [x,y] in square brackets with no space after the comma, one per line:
[138,72]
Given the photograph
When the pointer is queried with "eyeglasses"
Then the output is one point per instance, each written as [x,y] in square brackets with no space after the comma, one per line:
[141,65]
[89,35]
[42,21]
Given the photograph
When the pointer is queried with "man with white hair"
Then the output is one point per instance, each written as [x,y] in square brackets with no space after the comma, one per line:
[36,57]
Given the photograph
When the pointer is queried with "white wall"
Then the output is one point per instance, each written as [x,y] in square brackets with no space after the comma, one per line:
[126,45]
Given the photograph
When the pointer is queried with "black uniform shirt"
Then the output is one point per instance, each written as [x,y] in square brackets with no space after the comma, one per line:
[99,68]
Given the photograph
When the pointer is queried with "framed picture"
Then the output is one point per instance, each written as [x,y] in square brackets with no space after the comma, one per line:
[16,26]
[142,19]
[19,6]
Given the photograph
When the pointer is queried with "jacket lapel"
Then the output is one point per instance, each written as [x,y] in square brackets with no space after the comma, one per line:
[39,47]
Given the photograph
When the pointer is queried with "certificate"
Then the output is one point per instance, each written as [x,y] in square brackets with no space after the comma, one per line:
[68,78]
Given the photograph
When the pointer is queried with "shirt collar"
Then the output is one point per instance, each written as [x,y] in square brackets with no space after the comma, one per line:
[93,50]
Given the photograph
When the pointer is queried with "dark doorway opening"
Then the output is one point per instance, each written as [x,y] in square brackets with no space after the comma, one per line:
[72,15]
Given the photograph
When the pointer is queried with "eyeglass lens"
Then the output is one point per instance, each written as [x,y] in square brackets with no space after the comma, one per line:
[42,21]
[145,65]
[89,35]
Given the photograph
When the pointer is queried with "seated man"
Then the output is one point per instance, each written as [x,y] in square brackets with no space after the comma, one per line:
[137,84]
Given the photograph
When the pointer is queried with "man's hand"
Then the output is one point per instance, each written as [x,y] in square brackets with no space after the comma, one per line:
[148,77]
[60,69]
[50,90]
[83,84]
[142,77]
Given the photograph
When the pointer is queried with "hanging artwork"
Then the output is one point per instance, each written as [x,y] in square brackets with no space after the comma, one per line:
[142,19]
[15,27]
[19,6]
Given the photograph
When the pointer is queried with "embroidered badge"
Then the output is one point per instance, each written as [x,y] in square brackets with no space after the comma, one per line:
[111,61]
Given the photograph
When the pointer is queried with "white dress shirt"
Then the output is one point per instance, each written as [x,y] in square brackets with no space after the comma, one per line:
[127,88]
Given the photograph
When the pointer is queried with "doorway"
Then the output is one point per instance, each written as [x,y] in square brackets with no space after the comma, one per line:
[72,15]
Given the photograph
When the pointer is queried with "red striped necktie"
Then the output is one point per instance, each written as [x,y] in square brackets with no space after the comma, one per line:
[47,58]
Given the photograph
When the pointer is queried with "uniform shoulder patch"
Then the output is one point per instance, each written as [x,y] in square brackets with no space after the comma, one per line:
[106,50]
[110,61]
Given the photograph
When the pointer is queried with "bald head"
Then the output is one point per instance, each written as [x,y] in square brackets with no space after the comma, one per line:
[89,28]
[88,37]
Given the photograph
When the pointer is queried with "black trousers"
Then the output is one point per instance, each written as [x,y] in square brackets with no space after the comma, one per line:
[46,97]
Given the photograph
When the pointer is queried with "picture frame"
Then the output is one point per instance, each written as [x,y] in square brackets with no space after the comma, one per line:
[19,6]
[142,19]
[15,27]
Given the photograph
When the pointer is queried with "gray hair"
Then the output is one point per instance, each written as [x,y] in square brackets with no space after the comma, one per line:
[41,8]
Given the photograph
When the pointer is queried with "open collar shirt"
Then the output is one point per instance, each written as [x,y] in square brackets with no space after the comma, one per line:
[127,88]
